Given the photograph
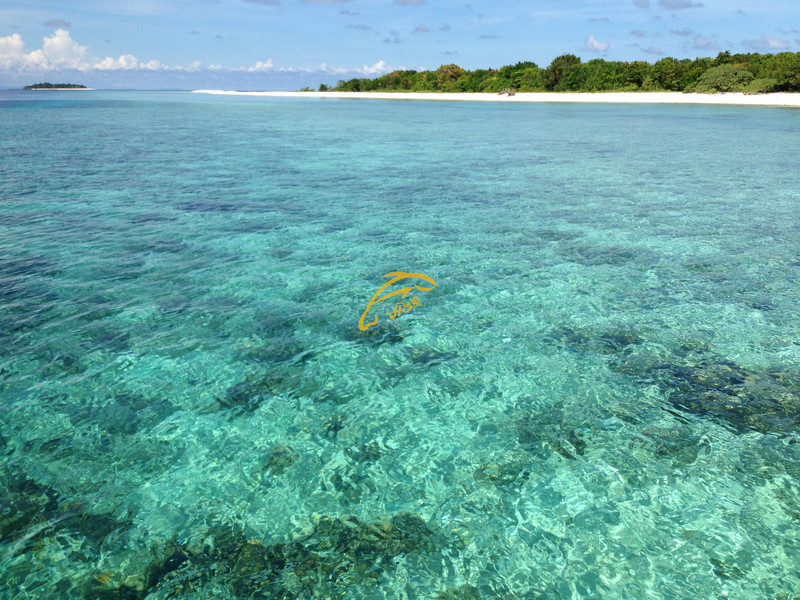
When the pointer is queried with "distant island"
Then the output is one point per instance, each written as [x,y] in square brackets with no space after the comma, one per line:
[750,73]
[55,86]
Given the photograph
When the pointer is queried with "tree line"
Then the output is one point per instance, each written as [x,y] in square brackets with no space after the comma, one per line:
[750,73]
[55,86]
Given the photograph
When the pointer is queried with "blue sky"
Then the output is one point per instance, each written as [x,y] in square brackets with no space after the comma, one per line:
[286,44]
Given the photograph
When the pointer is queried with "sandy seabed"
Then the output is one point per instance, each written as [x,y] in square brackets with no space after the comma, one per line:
[781,99]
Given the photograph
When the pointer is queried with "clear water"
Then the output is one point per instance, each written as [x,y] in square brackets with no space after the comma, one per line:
[600,399]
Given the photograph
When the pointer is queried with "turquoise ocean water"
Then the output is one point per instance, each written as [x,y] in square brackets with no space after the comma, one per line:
[600,398]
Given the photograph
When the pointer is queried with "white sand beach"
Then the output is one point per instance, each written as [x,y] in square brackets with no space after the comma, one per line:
[780,99]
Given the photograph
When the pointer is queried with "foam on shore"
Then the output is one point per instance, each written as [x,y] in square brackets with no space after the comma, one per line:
[780,99]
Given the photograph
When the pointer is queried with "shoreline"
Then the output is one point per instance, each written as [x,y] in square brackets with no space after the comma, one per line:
[730,99]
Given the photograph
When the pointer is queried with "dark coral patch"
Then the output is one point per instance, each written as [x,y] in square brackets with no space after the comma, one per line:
[338,553]
[425,355]
[599,341]
[554,430]
[743,400]
[248,395]
[383,332]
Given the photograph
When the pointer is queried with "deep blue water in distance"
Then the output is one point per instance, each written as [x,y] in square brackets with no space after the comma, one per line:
[600,398]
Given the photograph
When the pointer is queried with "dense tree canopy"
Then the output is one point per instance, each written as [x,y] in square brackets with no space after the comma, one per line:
[55,86]
[749,73]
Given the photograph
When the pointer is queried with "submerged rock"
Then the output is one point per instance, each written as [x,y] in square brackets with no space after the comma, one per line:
[124,414]
[247,395]
[679,444]
[275,350]
[349,484]
[592,255]
[367,544]
[602,341]
[23,504]
[107,339]
[332,425]
[30,512]
[279,459]
[700,383]
[212,206]
[28,265]
[425,355]
[552,429]
[383,332]
[367,452]
[59,363]
[768,402]
[463,592]
[97,527]
[326,394]
[506,472]
[159,244]
[272,325]
[338,553]
[109,586]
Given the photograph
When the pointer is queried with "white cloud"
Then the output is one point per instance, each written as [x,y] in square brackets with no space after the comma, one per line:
[157,65]
[127,61]
[702,43]
[11,52]
[57,52]
[260,67]
[379,68]
[595,45]
[60,52]
[766,42]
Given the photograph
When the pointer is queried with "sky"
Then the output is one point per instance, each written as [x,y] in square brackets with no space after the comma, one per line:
[288,44]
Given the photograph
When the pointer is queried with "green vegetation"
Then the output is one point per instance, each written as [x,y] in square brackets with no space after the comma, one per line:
[724,78]
[749,73]
[55,86]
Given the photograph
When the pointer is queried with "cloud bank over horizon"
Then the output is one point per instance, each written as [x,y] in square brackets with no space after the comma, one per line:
[60,54]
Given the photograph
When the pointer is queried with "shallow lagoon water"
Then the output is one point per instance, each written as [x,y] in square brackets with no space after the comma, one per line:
[600,398]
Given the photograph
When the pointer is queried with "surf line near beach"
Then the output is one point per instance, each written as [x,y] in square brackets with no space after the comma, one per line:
[737,99]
